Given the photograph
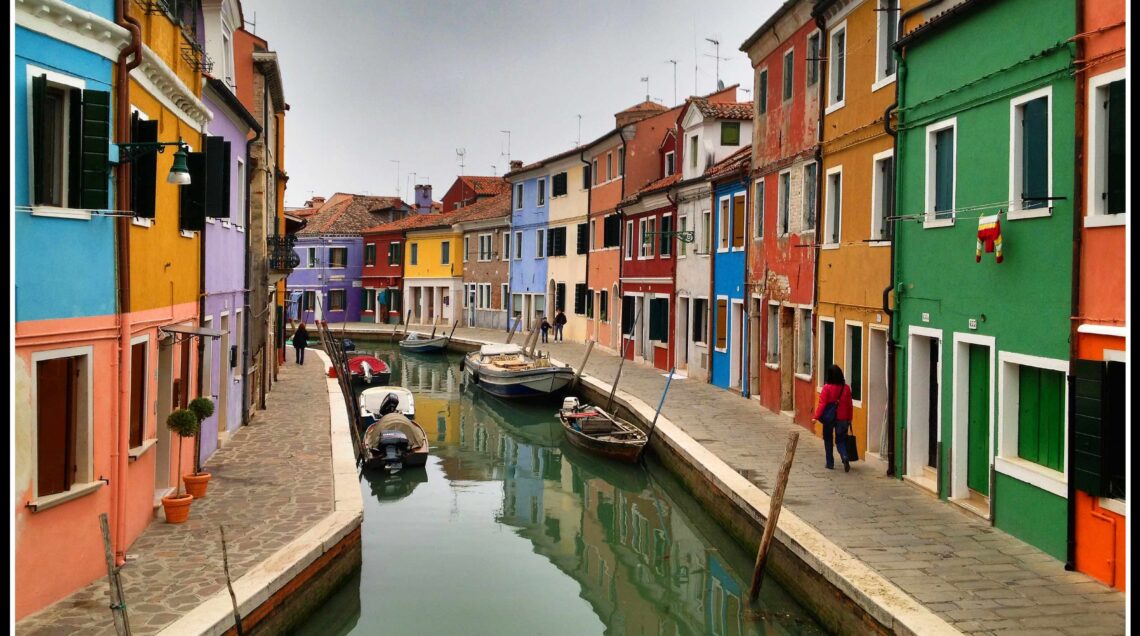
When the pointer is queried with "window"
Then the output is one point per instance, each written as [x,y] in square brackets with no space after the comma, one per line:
[789,62]
[558,185]
[834,206]
[738,221]
[1040,412]
[803,350]
[666,238]
[62,443]
[609,166]
[762,91]
[144,170]
[659,319]
[706,229]
[368,300]
[484,247]
[593,234]
[516,305]
[627,314]
[595,172]
[560,297]
[518,245]
[506,245]
[504,295]
[694,143]
[227,58]
[395,253]
[940,171]
[540,198]
[811,178]
[700,319]
[621,161]
[313,260]
[583,238]
[683,246]
[612,231]
[629,240]
[813,59]
[854,361]
[1106,153]
[518,196]
[586,177]
[730,133]
[647,228]
[70,135]
[826,347]
[589,303]
[370,254]
[241,191]
[336,300]
[308,301]
[883,196]
[722,238]
[556,241]
[721,324]
[1030,151]
[784,202]
[484,292]
[888,32]
[415,253]
[838,66]
[604,306]
[758,209]
[139,368]
[466,247]
[773,344]
[445,252]
[1099,452]
[580,298]
[670,168]
[540,243]
[338,257]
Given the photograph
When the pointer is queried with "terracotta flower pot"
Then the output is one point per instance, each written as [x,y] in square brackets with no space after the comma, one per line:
[196,484]
[177,508]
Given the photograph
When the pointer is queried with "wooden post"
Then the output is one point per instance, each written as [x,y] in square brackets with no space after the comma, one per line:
[514,328]
[229,585]
[582,366]
[118,607]
[773,516]
[653,424]
[453,326]
[434,325]
[531,341]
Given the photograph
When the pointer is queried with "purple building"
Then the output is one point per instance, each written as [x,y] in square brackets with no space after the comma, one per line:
[327,283]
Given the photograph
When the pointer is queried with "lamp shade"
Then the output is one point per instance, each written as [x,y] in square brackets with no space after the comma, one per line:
[179,173]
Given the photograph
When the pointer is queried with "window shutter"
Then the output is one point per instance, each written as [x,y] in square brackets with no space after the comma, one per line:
[227,161]
[665,241]
[192,198]
[215,170]
[1040,426]
[579,298]
[583,238]
[39,138]
[855,373]
[560,297]
[96,142]
[626,314]
[1115,181]
[944,171]
[144,170]
[560,241]
[74,157]
[721,323]
[659,319]
[586,177]
[1035,153]
[1089,427]
[828,345]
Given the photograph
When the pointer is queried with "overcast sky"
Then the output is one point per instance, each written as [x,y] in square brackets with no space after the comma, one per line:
[369,82]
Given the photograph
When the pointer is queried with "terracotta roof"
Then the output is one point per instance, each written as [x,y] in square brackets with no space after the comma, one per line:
[351,213]
[489,208]
[731,110]
[655,186]
[740,159]
[645,107]
[482,186]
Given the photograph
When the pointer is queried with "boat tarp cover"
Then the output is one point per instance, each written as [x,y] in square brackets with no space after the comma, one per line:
[396,422]
[499,349]
[371,399]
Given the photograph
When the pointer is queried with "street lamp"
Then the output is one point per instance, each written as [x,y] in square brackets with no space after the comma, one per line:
[179,172]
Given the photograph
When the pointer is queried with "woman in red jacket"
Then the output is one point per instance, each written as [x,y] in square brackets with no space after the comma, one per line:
[835,389]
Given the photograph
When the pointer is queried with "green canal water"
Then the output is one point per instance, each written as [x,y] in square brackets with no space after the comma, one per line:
[509,530]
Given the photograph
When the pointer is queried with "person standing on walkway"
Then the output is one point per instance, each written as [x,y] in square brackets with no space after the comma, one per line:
[545,326]
[836,419]
[300,341]
[559,323]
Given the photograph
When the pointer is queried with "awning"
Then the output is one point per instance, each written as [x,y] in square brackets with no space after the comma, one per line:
[183,332]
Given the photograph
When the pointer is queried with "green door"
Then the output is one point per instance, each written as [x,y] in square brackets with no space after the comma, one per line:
[978,431]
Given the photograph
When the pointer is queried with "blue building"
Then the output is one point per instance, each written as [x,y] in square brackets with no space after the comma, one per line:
[530,219]
[729,314]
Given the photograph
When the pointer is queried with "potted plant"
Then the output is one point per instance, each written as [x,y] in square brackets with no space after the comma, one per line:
[185,424]
[197,481]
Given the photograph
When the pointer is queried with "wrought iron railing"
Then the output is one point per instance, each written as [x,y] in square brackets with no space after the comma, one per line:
[281,254]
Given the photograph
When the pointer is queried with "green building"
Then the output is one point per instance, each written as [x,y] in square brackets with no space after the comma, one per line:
[986,116]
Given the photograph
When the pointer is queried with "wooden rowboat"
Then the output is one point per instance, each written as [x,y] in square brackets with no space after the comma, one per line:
[592,429]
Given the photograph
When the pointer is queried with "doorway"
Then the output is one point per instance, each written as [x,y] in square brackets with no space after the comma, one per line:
[164,406]
[876,390]
[756,355]
[224,378]
[924,410]
[787,368]
[735,342]
[973,422]
[682,344]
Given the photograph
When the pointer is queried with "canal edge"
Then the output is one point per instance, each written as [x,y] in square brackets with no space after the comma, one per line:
[309,567]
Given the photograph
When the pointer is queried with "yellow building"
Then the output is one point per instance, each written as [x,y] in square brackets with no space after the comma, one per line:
[433,272]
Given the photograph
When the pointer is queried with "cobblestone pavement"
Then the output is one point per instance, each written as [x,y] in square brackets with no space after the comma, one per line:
[271,482]
[974,576]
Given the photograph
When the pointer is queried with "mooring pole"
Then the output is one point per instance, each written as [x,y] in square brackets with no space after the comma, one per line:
[582,366]
[621,363]
[229,585]
[511,333]
[118,607]
[653,424]
[453,326]
[773,516]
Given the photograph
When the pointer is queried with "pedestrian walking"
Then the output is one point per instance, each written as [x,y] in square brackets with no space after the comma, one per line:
[559,323]
[834,412]
[300,341]
[545,326]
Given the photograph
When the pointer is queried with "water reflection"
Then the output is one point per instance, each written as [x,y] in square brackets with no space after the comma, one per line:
[632,552]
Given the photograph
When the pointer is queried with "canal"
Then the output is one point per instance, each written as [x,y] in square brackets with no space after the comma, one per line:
[509,530]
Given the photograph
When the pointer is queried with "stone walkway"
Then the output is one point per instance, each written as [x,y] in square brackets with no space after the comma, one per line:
[271,482]
[979,579]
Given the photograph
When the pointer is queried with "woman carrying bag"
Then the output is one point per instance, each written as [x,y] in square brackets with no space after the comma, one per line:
[834,412]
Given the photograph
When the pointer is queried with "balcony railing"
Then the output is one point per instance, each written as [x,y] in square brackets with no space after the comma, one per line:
[282,258]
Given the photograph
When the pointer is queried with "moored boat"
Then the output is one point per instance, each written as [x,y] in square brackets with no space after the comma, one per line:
[592,429]
[394,441]
[504,370]
[372,399]
[418,343]
[367,369]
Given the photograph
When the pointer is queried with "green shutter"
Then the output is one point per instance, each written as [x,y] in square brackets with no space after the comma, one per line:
[978,423]
[1115,178]
[215,174]
[944,172]
[626,314]
[144,170]
[763,92]
[1035,153]
[192,197]
[666,240]
[39,139]
[659,319]
[226,178]
[1041,417]
[1089,427]
[74,157]
[828,345]
[855,373]
[96,143]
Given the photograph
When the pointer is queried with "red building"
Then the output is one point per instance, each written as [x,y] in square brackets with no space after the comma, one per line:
[383,271]
[468,190]
[785,182]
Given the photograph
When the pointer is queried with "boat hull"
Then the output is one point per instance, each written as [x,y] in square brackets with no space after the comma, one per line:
[433,345]
[519,384]
[603,435]
[379,379]
[626,453]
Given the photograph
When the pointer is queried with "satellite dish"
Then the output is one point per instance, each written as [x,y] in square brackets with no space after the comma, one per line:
[720,85]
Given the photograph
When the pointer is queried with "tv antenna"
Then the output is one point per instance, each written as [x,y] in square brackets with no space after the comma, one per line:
[494,170]
[674,63]
[461,153]
[579,142]
[716,43]
[508,146]
[646,80]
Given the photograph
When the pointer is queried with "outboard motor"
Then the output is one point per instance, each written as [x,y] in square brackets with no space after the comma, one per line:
[348,345]
[570,404]
[390,404]
[391,449]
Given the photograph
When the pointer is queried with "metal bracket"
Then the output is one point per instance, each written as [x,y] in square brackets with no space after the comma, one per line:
[687,236]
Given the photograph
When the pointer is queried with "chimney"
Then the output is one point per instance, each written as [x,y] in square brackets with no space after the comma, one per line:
[423,199]
[315,202]
[516,164]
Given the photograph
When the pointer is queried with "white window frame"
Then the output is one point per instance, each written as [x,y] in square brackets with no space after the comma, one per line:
[593,234]
[833,221]
[832,84]
[772,344]
[668,239]
[931,168]
[540,192]
[819,348]
[414,254]
[694,150]
[882,17]
[629,240]
[1006,460]
[518,245]
[85,481]
[786,99]
[847,363]
[723,224]
[506,239]
[759,188]
[148,370]
[682,226]
[706,229]
[670,163]
[803,326]
[519,193]
[504,295]
[877,212]
[540,243]
[466,247]
[60,80]
[645,251]
[490,247]
[732,221]
[441,253]
[1096,151]
[807,221]
[329,250]
[1015,144]
[783,203]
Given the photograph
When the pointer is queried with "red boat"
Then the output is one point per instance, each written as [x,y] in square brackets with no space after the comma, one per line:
[369,370]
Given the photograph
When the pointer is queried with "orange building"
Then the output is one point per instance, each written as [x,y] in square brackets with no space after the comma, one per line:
[1098,451]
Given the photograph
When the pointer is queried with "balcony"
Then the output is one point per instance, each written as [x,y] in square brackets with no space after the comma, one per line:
[282,258]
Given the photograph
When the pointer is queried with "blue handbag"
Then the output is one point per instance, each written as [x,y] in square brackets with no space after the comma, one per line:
[829,412]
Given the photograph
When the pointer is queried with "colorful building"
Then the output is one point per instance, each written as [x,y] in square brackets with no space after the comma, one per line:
[1099,452]
[729,181]
[467,190]
[983,260]
[854,268]
[604,261]
[530,217]
[433,266]
[486,229]
[785,171]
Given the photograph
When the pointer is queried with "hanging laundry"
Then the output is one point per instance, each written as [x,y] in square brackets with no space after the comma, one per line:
[989,235]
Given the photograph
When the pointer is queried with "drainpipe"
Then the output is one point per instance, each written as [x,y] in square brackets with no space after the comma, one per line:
[892,339]
[119,453]
[824,42]
[710,329]
[248,269]
[589,201]
[1079,157]
[672,348]
[621,252]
